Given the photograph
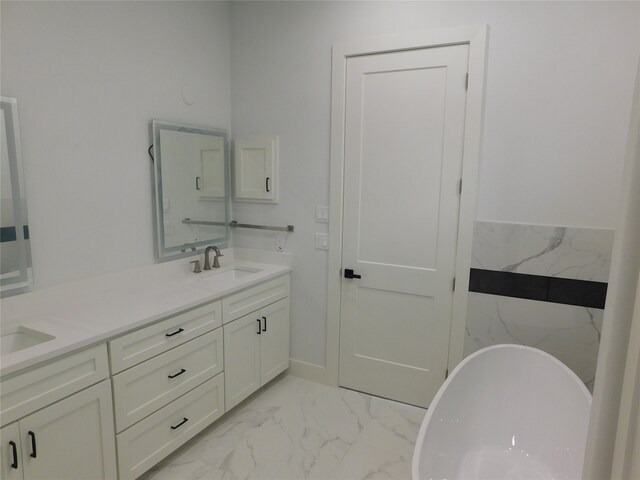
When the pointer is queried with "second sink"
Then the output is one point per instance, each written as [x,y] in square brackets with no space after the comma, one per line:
[18,338]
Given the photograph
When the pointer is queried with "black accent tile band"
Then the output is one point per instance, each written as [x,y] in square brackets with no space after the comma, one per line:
[8,234]
[582,293]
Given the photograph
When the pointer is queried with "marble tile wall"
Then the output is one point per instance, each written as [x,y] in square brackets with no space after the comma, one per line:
[571,333]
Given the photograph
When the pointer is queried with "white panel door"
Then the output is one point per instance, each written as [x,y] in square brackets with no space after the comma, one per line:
[404,122]
[241,358]
[274,341]
[71,439]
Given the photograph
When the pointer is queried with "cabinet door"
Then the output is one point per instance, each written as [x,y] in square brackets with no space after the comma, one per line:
[274,341]
[10,453]
[209,152]
[71,439]
[241,358]
[256,169]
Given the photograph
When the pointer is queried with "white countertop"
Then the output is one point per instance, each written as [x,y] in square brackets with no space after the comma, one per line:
[84,313]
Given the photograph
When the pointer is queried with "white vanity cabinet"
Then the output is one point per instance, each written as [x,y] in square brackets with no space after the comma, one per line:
[145,392]
[71,438]
[167,385]
[256,343]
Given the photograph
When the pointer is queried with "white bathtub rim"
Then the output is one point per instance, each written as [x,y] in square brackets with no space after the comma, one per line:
[415,464]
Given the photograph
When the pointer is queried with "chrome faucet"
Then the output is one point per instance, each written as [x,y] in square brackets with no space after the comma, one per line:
[216,263]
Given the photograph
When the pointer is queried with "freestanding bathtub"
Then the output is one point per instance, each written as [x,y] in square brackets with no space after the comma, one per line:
[505,412]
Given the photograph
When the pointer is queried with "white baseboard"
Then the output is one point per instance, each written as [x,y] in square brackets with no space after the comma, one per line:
[309,371]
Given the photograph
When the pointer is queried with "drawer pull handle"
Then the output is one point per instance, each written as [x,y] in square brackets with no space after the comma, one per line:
[182,370]
[34,452]
[184,420]
[264,329]
[180,330]
[14,449]
[259,326]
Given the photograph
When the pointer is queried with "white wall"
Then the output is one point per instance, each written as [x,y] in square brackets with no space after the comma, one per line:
[559,89]
[89,78]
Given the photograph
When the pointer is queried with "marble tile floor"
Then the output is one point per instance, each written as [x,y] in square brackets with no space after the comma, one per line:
[297,429]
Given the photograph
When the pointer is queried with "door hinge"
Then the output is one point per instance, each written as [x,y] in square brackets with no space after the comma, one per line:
[466,81]
[460,187]
[454,284]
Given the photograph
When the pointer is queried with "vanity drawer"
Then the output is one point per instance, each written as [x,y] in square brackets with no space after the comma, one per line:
[37,388]
[138,346]
[149,441]
[145,388]
[252,299]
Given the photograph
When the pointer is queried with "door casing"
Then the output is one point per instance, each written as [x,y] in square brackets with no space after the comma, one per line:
[476,37]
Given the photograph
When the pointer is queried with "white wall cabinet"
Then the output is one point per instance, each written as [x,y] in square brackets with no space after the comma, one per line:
[256,169]
[256,350]
[71,439]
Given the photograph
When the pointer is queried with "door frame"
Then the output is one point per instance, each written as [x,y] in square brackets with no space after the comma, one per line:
[474,36]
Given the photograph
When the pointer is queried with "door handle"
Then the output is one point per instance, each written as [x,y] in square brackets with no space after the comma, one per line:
[348,273]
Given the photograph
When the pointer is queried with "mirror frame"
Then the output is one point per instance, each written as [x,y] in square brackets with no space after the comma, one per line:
[162,251]
[23,281]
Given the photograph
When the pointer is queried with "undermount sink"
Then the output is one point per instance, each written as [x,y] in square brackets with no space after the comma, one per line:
[18,338]
[224,275]
[234,273]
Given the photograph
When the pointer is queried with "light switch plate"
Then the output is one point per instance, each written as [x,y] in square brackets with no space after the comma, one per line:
[322,241]
[322,214]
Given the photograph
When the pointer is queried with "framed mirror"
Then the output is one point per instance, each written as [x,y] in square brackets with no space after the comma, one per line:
[191,166]
[15,249]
